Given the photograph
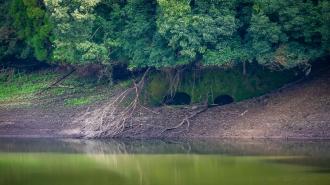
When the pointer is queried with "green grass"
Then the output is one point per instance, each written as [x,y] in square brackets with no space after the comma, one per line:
[17,88]
[81,100]
[77,101]
[125,84]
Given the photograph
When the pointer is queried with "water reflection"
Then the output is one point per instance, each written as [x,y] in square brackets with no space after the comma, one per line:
[163,162]
[201,146]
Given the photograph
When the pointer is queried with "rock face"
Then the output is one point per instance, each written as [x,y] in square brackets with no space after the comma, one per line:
[301,110]
[209,84]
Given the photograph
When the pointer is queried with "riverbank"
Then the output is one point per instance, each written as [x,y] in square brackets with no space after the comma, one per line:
[301,111]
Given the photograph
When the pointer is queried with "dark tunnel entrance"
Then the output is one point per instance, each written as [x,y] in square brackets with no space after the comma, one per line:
[120,72]
[223,100]
[179,98]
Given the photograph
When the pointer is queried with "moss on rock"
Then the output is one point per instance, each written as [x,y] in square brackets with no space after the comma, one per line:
[207,84]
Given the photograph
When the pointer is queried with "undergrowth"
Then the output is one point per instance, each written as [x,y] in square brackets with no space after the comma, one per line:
[24,88]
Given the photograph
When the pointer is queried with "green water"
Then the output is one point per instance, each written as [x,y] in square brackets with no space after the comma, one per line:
[164,163]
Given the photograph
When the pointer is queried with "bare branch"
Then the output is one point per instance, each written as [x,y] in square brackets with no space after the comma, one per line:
[111,119]
[186,120]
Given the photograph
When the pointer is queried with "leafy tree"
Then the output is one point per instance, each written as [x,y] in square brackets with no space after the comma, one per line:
[11,45]
[280,34]
[285,34]
[324,30]
[31,23]
[8,38]
[203,30]
[74,33]
[138,32]
[128,28]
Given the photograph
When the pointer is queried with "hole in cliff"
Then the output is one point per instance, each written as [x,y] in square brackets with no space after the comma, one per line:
[223,100]
[179,98]
[120,72]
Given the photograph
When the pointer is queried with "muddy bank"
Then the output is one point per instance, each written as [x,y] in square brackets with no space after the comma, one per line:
[300,111]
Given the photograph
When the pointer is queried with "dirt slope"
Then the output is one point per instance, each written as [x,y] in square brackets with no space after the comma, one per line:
[299,111]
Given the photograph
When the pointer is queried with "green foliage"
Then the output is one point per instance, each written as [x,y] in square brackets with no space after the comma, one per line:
[128,29]
[169,33]
[285,34]
[32,25]
[205,31]
[10,44]
[280,34]
[325,19]
[74,34]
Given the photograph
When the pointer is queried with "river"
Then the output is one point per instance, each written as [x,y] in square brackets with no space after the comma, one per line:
[164,162]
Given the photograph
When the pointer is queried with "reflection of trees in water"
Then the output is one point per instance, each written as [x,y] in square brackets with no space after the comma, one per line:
[320,162]
[199,146]
[118,155]
[104,152]
[185,146]
[207,146]
[131,146]
[104,147]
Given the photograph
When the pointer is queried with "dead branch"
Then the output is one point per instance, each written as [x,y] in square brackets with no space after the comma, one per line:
[56,82]
[243,113]
[186,120]
[110,120]
[65,86]
[152,111]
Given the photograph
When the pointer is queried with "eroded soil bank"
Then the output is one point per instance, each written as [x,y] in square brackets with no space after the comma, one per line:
[301,111]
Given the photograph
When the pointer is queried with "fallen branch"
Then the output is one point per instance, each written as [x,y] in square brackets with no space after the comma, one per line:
[110,120]
[65,86]
[186,120]
[243,113]
[146,108]
[56,82]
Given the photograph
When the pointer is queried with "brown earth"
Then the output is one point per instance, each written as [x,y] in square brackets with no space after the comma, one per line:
[301,110]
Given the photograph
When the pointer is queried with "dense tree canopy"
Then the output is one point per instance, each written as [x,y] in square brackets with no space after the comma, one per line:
[32,25]
[75,28]
[278,34]
[7,40]
[10,43]
[288,33]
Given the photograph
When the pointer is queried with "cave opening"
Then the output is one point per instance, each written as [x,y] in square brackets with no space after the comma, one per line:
[179,98]
[223,100]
